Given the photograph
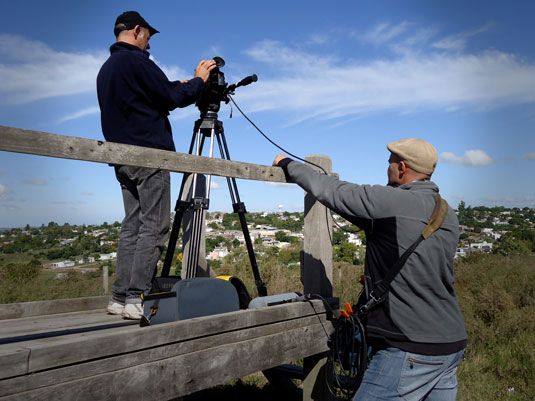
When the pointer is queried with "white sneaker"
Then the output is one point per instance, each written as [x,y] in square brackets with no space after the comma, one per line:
[115,308]
[133,311]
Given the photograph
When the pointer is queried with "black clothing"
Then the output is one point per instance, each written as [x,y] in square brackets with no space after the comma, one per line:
[135,98]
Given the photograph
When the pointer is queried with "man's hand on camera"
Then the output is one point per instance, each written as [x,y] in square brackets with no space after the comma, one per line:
[278,158]
[203,69]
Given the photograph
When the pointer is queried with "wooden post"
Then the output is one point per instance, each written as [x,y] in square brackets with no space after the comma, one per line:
[105,279]
[316,275]
[317,256]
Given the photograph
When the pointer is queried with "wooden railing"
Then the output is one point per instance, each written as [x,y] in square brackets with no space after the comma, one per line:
[178,358]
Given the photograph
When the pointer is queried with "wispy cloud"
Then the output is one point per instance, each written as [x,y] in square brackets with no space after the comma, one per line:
[324,87]
[279,184]
[4,192]
[384,32]
[85,193]
[474,157]
[458,41]
[529,156]
[38,182]
[30,70]
[319,39]
[80,113]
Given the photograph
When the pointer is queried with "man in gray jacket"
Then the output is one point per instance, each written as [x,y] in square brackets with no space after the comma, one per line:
[417,334]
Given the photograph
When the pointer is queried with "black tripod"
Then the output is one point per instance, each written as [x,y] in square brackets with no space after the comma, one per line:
[207,126]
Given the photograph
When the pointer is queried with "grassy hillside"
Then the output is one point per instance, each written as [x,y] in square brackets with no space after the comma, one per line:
[496,293]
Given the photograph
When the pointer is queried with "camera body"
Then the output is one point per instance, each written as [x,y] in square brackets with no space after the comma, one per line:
[215,90]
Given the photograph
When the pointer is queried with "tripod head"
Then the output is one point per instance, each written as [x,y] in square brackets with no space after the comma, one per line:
[216,90]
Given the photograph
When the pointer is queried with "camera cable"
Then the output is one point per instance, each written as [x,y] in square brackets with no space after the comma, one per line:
[294,156]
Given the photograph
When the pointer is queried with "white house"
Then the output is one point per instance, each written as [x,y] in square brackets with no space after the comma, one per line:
[108,256]
[217,253]
[62,264]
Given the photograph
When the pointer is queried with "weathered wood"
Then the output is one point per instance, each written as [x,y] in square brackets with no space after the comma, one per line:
[70,147]
[316,275]
[56,322]
[184,374]
[35,308]
[58,351]
[15,360]
[118,362]
[105,275]
[316,267]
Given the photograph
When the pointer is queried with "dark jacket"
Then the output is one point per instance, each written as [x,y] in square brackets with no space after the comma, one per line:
[421,313]
[135,98]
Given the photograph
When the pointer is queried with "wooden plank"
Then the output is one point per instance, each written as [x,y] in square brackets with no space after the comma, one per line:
[58,351]
[91,368]
[35,308]
[70,147]
[184,374]
[15,359]
[317,265]
[57,322]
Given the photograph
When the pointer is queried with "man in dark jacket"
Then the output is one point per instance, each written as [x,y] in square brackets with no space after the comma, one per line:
[135,98]
[417,334]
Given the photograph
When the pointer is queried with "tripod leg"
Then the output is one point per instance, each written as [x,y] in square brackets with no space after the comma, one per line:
[193,257]
[239,208]
[180,207]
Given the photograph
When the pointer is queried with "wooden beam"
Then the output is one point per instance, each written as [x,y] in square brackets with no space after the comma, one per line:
[184,374]
[60,351]
[75,148]
[157,353]
[36,308]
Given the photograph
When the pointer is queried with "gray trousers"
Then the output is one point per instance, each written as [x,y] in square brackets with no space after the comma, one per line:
[147,199]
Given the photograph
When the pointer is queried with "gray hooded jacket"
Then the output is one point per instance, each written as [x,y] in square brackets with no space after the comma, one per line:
[421,306]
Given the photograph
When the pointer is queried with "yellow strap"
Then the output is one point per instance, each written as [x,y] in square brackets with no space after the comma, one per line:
[437,217]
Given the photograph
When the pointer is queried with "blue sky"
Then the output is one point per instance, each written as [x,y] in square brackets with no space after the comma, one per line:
[340,79]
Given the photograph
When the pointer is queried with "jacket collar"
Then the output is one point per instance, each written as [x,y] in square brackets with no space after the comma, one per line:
[123,46]
[420,186]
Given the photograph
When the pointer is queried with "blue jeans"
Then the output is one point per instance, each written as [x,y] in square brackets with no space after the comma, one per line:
[147,200]
[397,375]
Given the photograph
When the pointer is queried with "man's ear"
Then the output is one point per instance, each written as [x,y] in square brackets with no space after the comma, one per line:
[402,168]
[137,30]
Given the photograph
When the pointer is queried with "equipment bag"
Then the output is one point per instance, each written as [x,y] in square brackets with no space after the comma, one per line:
[190,298]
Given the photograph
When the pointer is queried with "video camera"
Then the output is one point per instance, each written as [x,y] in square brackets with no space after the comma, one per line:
[216,89]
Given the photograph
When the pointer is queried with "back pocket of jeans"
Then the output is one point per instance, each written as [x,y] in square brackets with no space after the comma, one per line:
[419,374]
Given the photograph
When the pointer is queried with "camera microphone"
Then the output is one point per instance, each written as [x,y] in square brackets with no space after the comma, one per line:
[247,80]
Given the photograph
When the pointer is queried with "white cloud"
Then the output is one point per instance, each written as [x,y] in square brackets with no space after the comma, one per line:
[80,113]
[30,70]
[215,184]
[279,184]
[458,41]
[36,182]
[529,156]
[474,157]
[4,192]
[384,32]
[318,39]
[322,87]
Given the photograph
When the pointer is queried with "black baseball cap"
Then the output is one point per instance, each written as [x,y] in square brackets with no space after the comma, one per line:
[128,20]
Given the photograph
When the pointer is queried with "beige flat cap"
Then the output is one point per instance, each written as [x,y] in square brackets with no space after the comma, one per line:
[419,155]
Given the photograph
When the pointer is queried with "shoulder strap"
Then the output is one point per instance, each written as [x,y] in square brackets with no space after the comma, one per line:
[378,293]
